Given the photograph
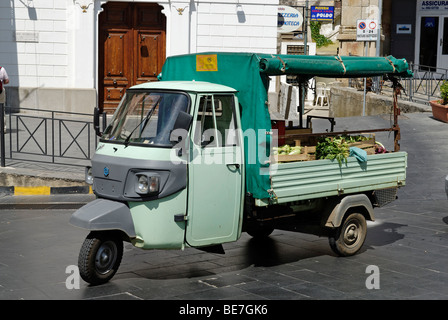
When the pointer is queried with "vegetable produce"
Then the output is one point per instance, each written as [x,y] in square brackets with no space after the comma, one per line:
[379,148]
[352,139]
[287,150]
[333,148]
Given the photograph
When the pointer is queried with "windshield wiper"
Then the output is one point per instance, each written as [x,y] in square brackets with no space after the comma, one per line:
[145,120]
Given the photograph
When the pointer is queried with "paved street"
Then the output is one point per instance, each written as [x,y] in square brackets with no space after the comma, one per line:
[408,244]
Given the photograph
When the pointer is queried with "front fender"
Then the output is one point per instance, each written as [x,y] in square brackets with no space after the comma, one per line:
[102,214]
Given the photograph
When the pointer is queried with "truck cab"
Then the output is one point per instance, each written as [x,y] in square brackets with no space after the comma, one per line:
[167,146]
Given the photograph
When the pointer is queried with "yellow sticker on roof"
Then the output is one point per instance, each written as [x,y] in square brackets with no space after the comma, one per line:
[207,62]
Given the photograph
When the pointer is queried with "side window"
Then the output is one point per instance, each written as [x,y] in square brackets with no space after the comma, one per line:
[226,120]
[216,121]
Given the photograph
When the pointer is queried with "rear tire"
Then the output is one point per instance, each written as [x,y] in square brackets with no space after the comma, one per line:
[348,239]
[100,257]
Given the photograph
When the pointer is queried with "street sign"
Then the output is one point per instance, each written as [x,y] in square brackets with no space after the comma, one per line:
[289,19]
[367,30]
[322,13]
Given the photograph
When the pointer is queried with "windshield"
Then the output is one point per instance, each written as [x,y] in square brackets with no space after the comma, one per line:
[146,117]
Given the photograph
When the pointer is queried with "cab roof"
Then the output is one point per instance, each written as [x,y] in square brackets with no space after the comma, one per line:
[190,86]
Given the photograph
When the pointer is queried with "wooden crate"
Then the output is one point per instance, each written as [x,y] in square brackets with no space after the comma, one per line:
[367,145]
[290,137]
[306,154]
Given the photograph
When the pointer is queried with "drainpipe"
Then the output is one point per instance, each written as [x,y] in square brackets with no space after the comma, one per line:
[378,40]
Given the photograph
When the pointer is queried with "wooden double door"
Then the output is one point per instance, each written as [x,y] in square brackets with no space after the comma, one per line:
[132,46]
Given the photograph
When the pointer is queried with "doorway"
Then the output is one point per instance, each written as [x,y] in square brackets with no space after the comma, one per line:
[131,49]
[433,43]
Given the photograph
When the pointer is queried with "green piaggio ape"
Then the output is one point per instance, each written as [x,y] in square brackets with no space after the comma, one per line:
[187,162]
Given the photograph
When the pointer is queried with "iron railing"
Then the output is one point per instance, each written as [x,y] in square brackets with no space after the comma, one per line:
[425,85]
[47,136]
[422,88]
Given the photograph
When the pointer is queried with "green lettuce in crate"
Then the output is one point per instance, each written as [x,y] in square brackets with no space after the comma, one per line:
[333,148]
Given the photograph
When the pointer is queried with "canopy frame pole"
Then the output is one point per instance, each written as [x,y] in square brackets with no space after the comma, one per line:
[397,135]
[303,86]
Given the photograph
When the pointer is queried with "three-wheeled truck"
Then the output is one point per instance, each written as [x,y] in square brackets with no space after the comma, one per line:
[188,162]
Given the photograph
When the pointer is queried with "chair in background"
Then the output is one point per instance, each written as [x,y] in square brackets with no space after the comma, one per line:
[321,93]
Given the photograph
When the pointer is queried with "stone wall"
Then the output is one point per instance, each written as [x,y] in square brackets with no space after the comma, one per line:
[348,102]
[54,99]
[351,11]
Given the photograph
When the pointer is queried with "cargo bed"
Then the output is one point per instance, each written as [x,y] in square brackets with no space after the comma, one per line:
[303,180]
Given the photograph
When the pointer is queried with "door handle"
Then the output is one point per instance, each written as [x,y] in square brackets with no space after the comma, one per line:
[237,165]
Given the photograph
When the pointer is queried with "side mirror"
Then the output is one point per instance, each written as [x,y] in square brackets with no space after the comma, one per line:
[183,121]
[96,122]
[180,130]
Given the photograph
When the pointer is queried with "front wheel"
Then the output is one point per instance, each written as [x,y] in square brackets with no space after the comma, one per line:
[348,239]
[100,257]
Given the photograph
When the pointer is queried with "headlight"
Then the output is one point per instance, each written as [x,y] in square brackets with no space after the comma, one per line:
[147,184]
[88,175]
[143,184]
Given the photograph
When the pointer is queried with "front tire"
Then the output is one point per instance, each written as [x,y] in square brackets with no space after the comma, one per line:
[348,239]
[100,257]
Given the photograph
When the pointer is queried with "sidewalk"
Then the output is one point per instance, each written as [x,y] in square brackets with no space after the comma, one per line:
[33,178]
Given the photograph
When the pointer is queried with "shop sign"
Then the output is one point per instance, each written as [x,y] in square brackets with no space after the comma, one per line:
[433,5]
[404,28]
[289,19]
[322,13]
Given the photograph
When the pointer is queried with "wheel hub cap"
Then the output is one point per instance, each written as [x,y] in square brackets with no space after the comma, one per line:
[105,257]
[351,234]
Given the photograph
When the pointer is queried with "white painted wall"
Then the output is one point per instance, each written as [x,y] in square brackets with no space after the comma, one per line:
[47,44]
[34,42]
[248,26]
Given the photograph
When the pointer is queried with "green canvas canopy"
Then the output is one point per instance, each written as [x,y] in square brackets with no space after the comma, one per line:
[333,66]
[249,73]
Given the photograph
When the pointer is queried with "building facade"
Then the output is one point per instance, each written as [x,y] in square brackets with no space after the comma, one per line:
[413,29]
[431,40]
[75,54]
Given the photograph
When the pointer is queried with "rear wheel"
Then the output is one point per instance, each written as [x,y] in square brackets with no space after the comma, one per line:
[348,239]
[100,257]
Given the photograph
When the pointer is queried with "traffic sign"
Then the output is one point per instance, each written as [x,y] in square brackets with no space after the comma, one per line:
[367,30]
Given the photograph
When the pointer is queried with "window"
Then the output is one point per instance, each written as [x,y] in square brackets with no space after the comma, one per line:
[216,122]
[146,117]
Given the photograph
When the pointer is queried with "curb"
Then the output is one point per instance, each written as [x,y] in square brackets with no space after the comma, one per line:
[45,190]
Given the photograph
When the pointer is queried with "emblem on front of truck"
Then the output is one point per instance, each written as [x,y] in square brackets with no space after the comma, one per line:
[106,171]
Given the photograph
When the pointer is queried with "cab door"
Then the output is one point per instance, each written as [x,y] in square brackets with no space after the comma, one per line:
[216,173]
